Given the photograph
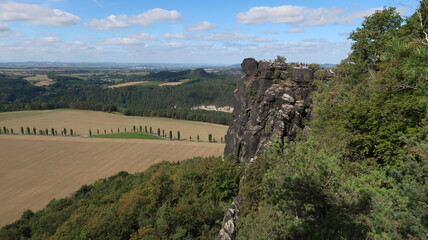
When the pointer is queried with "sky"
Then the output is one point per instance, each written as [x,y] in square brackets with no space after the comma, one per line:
[185,31]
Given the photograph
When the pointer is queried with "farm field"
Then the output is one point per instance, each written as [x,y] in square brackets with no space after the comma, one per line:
[36,169]
[126,84]
[81,121]
[40,80]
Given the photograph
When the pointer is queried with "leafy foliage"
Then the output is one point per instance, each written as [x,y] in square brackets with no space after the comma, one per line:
[361,170]
[183,200]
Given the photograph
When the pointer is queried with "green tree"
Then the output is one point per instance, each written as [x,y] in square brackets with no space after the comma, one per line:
[98,132]
[65,131]
[52,131]
[145,129]
[34,131]
[280,59]
[133,128]
[90,132]
[71,132]
[159,132]
[376,32]
[170,135]
[210,137]
[178,135]
[197,138]
[22,130]
[28,131]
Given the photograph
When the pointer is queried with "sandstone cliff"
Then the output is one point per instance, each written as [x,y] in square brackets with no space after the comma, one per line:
[271,100]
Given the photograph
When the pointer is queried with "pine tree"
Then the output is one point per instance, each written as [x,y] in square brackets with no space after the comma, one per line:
[159,132]
[178,135]
[28,131]
[170,135]
[210,137]
[52,131]
[133,128]
[65,131]
[22,130]
[90,133]
[71,132]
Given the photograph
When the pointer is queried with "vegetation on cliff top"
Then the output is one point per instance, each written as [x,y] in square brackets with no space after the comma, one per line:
[361,171]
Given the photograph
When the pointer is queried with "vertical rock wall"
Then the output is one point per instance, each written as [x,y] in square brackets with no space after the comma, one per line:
[271,100]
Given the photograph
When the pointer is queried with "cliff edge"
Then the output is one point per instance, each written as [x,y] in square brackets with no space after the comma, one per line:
[272,100]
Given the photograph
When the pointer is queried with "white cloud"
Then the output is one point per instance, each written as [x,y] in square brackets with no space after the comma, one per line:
[228,37]
[264,40]
[144,36]
[147,18]
[270,32]
[110,23]
[218,37]
[35,15]
[122,41]
[179,36]
[202,26]
[4,28]
[155,15]
[295,30]
[300,16]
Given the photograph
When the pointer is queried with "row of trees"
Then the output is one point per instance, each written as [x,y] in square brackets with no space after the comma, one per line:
[35,131]
[149,130]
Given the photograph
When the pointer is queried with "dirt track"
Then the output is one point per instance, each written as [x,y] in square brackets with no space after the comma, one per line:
[36,169]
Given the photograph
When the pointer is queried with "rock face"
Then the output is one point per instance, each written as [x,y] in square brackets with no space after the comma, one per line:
[272,100]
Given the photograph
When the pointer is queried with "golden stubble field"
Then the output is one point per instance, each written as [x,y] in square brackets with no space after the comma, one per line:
[81,121]
[36,169]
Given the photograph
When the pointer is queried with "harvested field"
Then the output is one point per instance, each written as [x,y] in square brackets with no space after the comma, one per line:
[81,121]
[174,83]
[36,169]
[126,84]
[40,80]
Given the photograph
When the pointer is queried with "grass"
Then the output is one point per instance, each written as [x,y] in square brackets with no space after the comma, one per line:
[38,77]
[129,136]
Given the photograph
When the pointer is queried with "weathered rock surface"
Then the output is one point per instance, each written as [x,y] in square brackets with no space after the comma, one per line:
[272,100]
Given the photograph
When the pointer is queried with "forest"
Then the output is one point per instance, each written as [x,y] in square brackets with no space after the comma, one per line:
[358,171]
[91,93]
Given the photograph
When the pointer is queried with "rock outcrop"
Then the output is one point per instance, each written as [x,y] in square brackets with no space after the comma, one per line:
[272,100]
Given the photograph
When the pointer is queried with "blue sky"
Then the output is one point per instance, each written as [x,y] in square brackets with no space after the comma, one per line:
[186,31]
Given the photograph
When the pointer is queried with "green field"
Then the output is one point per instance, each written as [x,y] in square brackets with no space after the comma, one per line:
[129,136]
